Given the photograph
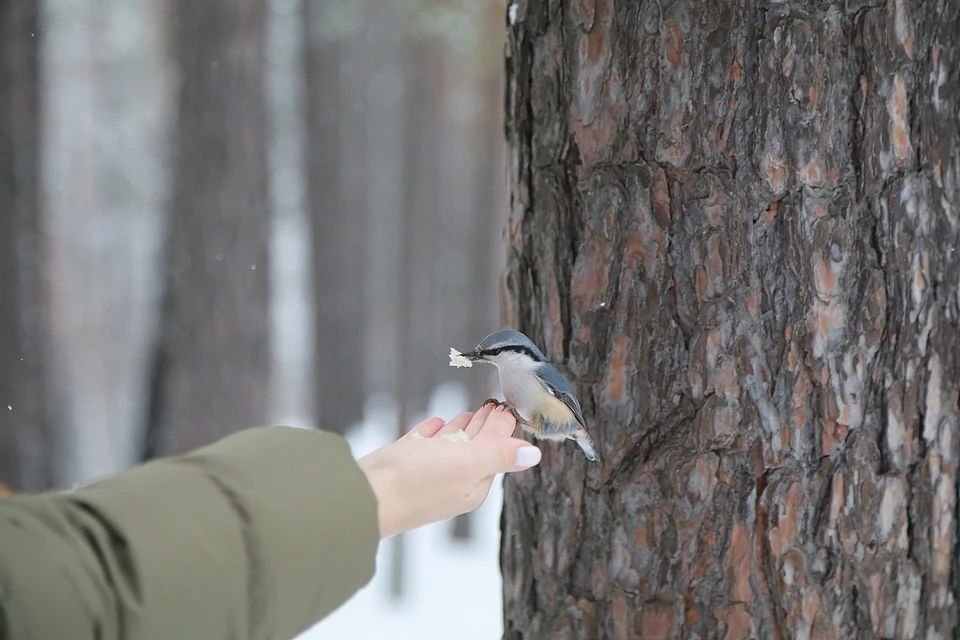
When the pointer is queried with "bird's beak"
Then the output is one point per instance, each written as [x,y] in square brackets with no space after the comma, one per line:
[472,356]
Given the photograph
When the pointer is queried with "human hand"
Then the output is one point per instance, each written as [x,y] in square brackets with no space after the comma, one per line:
[423,478]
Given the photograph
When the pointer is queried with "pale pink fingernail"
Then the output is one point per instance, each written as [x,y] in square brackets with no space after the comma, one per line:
[528,457]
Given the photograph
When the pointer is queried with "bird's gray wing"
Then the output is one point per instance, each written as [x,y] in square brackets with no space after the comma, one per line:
[559,388]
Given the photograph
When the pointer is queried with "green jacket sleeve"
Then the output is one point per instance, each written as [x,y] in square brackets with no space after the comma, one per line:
[259,535]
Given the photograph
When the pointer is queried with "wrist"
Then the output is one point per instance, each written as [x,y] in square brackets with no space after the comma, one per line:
[384,481]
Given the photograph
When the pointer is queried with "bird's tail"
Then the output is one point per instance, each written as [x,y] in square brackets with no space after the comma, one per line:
[582,438]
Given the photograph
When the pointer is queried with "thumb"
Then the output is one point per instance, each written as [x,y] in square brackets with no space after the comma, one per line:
[505,455]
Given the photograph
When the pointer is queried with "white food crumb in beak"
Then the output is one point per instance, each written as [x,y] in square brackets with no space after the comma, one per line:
[457,360]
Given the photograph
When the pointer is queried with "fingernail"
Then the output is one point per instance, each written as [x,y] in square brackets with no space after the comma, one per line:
[528,457]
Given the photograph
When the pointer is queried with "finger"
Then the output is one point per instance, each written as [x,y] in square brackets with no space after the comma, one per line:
[500,423]
[509,455]
[458,423]
[426,429]
[478,420]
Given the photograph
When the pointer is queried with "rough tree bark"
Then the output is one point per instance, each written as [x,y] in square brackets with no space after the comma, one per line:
[211,371]
[735,225]
[338,226]
[25,445]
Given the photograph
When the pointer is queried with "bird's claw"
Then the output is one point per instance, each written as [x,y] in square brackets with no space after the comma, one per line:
[499,403]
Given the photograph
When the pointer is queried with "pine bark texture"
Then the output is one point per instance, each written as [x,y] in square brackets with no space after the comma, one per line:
[735,226]
[212,370]
[26,453]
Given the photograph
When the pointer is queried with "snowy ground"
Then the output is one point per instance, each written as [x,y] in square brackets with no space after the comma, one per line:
[452,588]
[111,238]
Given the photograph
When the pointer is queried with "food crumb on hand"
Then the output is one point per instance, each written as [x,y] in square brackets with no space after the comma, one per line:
[459,436]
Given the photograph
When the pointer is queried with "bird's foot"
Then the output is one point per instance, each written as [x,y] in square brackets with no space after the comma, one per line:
[509,407]
[493,401]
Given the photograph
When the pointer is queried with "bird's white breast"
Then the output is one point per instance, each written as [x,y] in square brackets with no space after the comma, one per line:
[520,385]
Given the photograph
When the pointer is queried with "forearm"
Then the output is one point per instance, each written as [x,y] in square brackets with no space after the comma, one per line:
[257,536]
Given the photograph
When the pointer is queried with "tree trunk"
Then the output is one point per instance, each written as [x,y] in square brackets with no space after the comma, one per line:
[416,372]
[26,451]
[211,371]
[338,226]
[418,367]
[735,227]
[383,53]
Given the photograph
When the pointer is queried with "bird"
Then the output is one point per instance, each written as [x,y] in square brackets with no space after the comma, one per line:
[537,395]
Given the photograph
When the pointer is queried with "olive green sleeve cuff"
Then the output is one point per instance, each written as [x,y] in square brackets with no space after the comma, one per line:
[310,515]
[257,536]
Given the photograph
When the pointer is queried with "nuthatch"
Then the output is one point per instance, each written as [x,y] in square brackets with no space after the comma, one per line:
[537,395]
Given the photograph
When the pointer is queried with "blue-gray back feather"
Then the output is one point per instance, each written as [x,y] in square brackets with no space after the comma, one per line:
[558,386]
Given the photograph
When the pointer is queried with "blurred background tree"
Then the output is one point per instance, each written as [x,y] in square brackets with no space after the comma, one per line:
[211,369]
[732,225]
[297,204]
[335,178]
[225,214]
[27,444]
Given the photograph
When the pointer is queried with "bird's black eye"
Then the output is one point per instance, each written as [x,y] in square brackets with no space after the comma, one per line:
[494,352]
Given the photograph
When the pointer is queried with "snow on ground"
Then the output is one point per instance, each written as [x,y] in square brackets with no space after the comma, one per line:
[452,588]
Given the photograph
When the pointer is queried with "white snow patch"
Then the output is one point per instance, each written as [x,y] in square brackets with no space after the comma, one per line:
[452,588]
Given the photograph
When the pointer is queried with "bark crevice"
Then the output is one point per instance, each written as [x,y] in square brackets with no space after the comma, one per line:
[758,303]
